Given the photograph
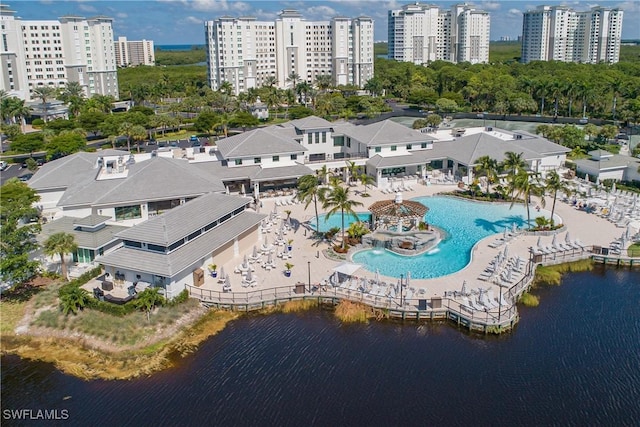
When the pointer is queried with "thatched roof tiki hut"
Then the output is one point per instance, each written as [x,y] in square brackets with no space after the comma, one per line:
[403,213]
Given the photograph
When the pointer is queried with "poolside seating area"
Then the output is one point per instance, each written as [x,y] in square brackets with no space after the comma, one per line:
[619,207]
[479,299]
[558,246]
[503,270]
[506,237]
[375,290]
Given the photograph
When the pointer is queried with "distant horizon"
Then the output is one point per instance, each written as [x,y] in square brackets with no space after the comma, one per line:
[171,22]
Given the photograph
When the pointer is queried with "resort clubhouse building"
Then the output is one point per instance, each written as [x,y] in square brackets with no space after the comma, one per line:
[161,218]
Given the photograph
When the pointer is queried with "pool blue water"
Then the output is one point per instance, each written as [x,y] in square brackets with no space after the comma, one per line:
[335,220]
[464,222]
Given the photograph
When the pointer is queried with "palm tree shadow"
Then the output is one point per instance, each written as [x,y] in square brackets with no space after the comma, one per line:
[487,225]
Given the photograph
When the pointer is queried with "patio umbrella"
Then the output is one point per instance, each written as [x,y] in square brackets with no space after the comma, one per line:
[242,189]
[288,222]
[336,278]
[222,275]
[514,227]
[613,188]
[244,260]
[275,209]
[408,278]
[539,244]
[227,281]
[554,241]
[509,275]
[504,233]
[266,241]
[463,291]
[254,255]
[505,253]
[270,258]
[376,277]
[586,177]
[567,239]
[226,189]
[598,180]
[249,276]
[627,234]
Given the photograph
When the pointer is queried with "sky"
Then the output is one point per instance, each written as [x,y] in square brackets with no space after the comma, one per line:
[180,21]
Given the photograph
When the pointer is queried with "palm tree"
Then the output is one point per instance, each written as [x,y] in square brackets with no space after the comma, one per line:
[554,183]
[366,180]
[60,244]
[323,82]
[324,174]
[309,191]
[487,167]
[73,300]
[148,299]
[513,163]
[293,78]
[226,87]
[44,93]
[72,90]
[353,170]
[527,186]
[127,129]
[337,199]
[269,81]
[138,133]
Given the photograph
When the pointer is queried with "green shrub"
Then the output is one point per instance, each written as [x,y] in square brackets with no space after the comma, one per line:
[529,300]
[113,309]
[181,298]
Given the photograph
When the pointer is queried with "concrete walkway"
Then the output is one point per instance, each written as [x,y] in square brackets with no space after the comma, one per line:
[311,265]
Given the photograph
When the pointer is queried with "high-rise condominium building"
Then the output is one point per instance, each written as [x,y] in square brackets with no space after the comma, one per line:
[53,52]
[133,53]
[422,33]
[246,52]
[559,33]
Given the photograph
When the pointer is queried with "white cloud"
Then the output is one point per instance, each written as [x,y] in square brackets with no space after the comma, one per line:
[121,15]
[87,8]
[514,13]
[630,6]
[191,20]
[322,11]
[490,5]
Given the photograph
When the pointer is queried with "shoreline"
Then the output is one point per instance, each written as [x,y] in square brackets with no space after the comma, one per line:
[88,358]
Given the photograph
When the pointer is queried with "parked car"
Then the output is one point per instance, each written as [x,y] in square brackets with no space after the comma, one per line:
[3,165]
[26,177]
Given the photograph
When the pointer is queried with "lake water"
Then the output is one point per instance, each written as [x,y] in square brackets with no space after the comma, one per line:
[574,360]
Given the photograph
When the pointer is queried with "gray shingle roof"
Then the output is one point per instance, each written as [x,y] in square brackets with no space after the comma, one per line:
[415,158]
[311,122]
[256,143]
[154,179]
[384,133]
[92,220]
[468,149]
[296,171]
[225,173]
[85,239]
[614,162]
[181,221]
[168,265]
[63,172]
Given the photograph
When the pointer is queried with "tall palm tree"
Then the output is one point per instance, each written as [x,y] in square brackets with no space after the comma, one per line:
[60,244]
[526,186]
[226,87]
[324,174]
[71,90]
[323,82]
[309,191]
[269,81]
[353,170]
[138,133]
[45,93]
[338,199]
[127,129]
[366,180]
[513,163]
[487,167]
[293,78]
[552,184]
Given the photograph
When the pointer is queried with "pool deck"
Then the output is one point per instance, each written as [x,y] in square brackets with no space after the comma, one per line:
[309,261]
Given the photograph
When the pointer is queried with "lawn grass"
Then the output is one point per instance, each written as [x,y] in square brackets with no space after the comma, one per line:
[634,250]
[10,314]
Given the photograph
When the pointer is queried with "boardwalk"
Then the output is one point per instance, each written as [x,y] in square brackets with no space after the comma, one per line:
[311,267]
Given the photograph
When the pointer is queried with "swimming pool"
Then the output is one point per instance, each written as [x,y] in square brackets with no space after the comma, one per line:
[465,223]
[335,220]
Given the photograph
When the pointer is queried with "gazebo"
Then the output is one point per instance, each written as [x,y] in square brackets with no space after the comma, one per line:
[397,212]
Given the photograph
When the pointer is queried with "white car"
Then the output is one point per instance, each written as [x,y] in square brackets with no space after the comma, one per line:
[3,165]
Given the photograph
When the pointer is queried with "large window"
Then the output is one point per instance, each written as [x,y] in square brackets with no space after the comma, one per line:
[128,212]
[378,149]
[294,157]
[276,158]
[338,141]
[394,147]
[238,161]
